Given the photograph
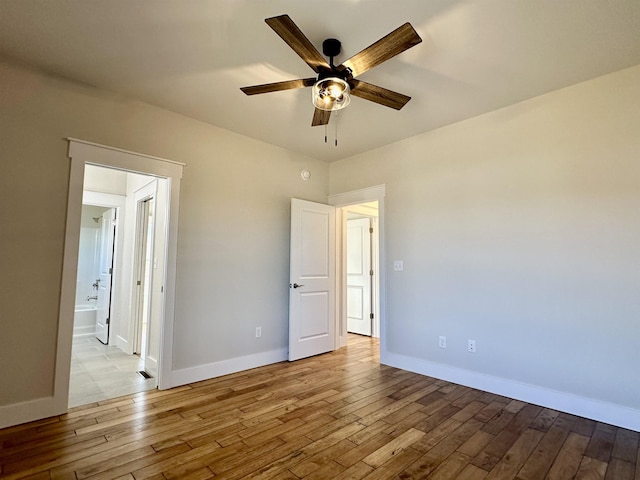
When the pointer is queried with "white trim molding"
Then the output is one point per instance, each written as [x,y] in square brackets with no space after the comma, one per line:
[600,411]
[77,146]
[363,195]
[24,412]
[226,367]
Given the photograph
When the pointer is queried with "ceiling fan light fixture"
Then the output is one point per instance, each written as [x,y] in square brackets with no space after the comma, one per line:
[331,93]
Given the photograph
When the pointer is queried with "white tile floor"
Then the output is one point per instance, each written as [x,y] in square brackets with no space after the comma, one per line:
[100,372]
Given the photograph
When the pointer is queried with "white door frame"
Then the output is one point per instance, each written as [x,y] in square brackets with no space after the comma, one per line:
[370,194]
[82,153]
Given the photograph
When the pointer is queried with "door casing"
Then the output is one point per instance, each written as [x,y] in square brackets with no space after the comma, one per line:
[82,153]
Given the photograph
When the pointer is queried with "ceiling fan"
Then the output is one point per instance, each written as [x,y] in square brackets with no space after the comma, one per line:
[334,84]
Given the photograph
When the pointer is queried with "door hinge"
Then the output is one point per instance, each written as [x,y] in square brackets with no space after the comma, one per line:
[371,316]
[110,271]
[108,320]
[162,289]
[371,272]
[370,229]
[138,283]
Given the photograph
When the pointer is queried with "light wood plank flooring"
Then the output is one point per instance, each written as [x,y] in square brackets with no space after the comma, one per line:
[336,416]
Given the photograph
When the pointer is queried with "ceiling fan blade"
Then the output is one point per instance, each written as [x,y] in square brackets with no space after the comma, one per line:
[320,117]
[380,95]
[293,36]
[277,86]
[401,39]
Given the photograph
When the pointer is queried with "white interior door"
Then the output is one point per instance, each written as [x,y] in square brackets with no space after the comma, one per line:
[359,269]
[157,273]
[105,264]
[312,277]
[143,270]
[143,251]
[150,272]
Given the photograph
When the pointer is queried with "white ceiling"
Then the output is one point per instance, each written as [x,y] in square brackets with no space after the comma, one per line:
[193,56]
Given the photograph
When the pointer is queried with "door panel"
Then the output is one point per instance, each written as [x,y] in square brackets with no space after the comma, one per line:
[358,276]
[315,322]
[312,277]
[107,231]
[151,360]
[355,303]
[314,255]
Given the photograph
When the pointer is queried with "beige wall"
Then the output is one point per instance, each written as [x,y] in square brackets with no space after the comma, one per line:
[232,238]
[519,229]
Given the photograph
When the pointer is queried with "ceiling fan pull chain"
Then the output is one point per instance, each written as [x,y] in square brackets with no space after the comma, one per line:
[325,133]
[336,140]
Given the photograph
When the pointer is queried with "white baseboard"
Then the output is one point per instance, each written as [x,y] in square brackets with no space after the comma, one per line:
[225,367]
[18,413]
[123,345]
[600,411]
[23,412]
[81,334]
[151,365]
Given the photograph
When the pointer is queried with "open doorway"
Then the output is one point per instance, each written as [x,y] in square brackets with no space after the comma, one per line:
[361,268]
[115,338]
[361,209]
[83,154]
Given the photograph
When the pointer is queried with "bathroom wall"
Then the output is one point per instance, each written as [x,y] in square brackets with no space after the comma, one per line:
[88,254]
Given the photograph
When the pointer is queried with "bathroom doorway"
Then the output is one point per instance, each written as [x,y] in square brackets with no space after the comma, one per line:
[114,352]
[84,154]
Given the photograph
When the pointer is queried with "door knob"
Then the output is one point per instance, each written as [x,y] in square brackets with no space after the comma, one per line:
[295,285]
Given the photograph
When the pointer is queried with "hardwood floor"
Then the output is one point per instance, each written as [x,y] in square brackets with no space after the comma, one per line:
[336,416]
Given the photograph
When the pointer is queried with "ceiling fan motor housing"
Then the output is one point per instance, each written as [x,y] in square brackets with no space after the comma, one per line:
[331,47]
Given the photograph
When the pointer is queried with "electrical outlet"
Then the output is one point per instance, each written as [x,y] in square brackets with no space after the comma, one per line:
[471,346]
[442,341]
[258,332]
[398,265]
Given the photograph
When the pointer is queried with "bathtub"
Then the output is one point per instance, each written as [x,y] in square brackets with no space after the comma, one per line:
[84,320]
